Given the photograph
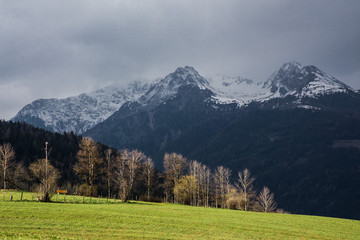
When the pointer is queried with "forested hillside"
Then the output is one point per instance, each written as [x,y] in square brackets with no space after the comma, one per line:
[310,159]
[310,156]
[84,167]
[29,145]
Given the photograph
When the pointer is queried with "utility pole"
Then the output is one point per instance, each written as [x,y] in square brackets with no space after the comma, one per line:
[46,166]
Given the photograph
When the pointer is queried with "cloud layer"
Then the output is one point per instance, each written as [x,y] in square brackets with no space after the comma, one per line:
[54,48]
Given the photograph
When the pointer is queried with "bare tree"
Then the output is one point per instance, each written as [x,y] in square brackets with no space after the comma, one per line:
[127,164]
[134,158]
[109,169]
[47,175]
[245,186]
[207,186]
[7,154]
[219,185]
[227,175]
[266,200]
[148,175]
[222,181]
[174,165]
[201,172]
[121,173]
[185,188]
[232,198]
[89,160]
[21,178]
[194,169]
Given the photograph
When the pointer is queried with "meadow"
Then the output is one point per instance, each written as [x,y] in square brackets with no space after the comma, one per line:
[108,219]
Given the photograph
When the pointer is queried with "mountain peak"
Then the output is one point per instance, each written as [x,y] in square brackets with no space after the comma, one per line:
[284,80]
[291,65]
[294,79]
[169,86]
[186,70]
[187,75]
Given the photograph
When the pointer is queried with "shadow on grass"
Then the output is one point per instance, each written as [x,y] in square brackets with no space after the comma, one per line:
[96,202]
[69,199]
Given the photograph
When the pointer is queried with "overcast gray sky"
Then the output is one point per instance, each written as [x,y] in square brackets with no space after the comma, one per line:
[52,48]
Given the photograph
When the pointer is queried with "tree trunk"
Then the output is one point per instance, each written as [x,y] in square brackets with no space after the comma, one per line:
[4,176]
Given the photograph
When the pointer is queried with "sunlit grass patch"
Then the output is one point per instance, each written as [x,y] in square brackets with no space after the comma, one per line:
[138,220]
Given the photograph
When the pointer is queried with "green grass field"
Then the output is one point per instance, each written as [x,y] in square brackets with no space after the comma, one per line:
[139,220]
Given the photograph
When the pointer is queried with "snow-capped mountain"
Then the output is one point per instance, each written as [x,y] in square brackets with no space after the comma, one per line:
[290,80]
[79,113]
[308,81]
[169,86]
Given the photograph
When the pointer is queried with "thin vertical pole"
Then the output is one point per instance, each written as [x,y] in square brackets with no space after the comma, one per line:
[46,166]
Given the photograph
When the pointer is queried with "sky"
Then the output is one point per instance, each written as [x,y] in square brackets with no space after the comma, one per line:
[56,49]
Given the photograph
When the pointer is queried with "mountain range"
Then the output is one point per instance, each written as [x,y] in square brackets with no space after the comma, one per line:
[81,113]
[298,131]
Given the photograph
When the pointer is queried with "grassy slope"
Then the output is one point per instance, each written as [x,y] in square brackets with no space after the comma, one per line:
[30,219]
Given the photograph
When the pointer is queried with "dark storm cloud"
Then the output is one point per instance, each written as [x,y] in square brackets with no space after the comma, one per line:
[61,48]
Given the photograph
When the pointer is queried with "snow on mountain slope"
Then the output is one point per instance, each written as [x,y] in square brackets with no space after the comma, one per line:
[322,83]
[233,89]
[291,79]
[79,113]
[308,81]
[168,87]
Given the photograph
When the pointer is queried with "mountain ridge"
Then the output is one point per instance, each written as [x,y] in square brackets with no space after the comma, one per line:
[83,112]
[79,113]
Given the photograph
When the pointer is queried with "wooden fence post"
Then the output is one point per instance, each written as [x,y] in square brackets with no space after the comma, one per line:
[11,197]
[21,196]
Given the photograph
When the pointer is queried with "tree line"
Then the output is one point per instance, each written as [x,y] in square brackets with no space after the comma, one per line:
[130,174]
